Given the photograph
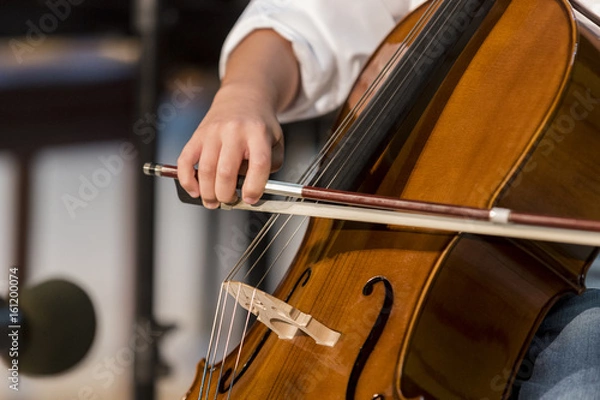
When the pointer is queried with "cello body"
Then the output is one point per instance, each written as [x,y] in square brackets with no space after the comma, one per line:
[514,122]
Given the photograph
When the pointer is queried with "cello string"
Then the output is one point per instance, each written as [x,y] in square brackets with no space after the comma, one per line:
[411,37]
[284,247]
[261,235]
[350,116]
[243,336]
[345,124]
[216,345]
[418,28]
[333,138]
[226,347]
[348,157]
[215,338]
[401,49]
[246,325]
[264,251]
[379,77]
[316,162]
[248,313]
[210,361]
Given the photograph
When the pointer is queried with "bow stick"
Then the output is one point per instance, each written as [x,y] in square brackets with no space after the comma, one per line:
[417,214]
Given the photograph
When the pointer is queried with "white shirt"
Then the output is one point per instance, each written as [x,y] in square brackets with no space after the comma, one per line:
[332,40]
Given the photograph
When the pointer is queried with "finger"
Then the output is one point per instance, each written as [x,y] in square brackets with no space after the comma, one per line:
[228,170]
[259,168]
[207,167]
[277,156]
[186,173]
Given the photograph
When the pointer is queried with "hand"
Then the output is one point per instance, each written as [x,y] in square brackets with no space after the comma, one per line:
[240,134]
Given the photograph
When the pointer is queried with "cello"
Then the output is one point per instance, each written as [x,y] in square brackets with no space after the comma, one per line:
[483,104]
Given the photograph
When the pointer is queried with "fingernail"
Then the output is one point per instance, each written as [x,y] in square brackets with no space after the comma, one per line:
[250,200]
[194,194]
[210,205]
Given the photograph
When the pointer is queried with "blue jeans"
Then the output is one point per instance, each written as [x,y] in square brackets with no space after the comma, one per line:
[563,361]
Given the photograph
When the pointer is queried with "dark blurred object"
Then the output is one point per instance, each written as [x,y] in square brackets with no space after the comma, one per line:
[67,90]
[148,365]
[75,17]
[88,70]
[57,325]
[194,29]
[197,29]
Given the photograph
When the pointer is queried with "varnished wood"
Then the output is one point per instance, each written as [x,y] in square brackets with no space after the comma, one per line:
[464,307]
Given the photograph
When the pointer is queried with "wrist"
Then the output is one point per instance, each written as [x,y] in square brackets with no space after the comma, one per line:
[264,67]
[257,93]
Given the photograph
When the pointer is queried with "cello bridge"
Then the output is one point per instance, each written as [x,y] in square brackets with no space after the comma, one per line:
[280,317]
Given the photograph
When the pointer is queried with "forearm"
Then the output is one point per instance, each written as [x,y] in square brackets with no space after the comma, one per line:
[263,65]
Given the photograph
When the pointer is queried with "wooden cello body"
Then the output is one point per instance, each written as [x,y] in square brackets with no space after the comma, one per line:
[514,121]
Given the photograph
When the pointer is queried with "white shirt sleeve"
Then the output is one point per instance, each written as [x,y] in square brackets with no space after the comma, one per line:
[593,6]
[332,40]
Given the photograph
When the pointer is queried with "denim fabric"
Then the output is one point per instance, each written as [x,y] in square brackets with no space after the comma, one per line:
[563,361]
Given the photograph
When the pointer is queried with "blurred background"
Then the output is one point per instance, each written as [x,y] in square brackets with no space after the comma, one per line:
[89,91]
